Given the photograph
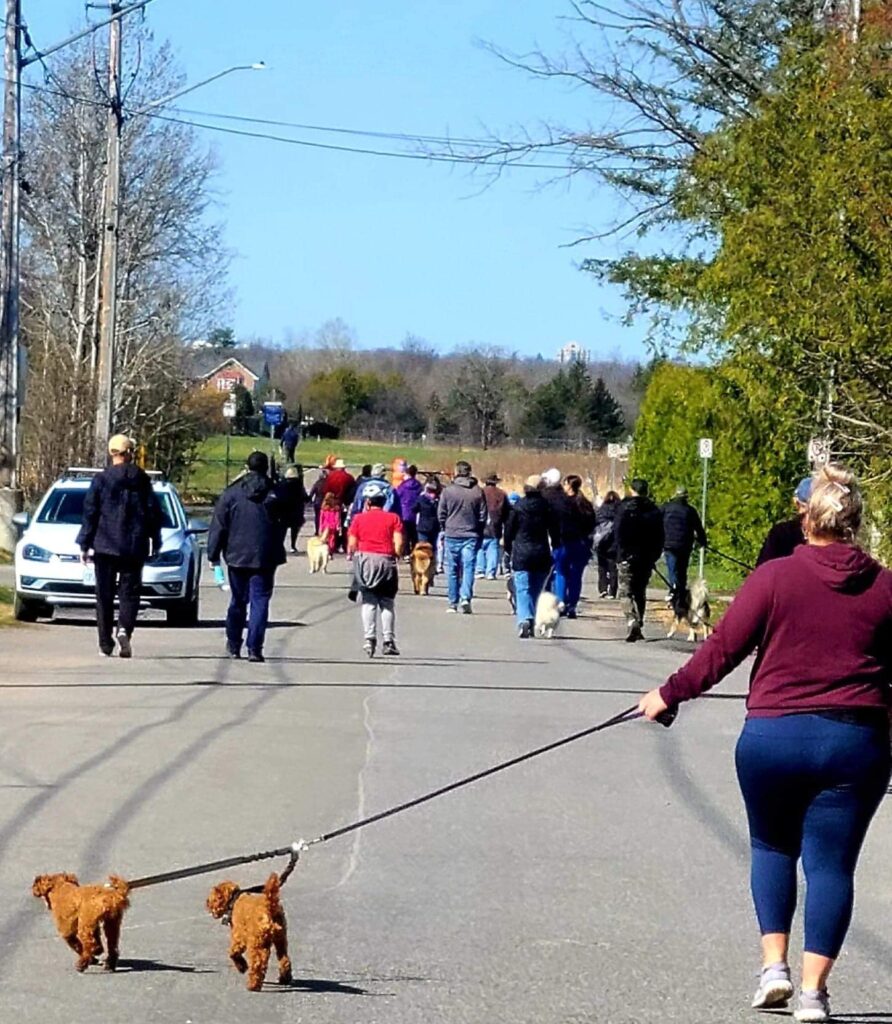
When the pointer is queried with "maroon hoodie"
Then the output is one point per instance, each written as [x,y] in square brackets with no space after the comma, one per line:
[822,623]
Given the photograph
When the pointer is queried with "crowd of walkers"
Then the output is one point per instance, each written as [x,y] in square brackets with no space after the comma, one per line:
[813,759]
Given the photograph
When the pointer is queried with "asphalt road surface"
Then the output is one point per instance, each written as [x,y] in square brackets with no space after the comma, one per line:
[605,881]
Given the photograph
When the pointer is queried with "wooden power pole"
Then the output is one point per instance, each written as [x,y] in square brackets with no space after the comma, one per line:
[105,367]
[10,385]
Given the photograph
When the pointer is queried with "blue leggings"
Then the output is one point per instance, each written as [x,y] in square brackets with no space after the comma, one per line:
[811,785]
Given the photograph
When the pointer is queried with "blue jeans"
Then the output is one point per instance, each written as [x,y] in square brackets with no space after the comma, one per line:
[677,563]
[811,785]
[528,586]
[252,587]
[461,554]
[488,557]
[570,561]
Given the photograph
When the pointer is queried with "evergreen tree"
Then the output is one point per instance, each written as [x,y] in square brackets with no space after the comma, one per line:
[605,417]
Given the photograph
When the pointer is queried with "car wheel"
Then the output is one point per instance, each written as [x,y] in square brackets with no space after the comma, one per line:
[184,614]
[29,611]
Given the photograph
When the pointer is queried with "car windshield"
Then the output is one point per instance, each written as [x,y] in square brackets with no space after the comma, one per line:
[66,505]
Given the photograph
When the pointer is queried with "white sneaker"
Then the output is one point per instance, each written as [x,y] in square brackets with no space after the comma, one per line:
[775,988]
[125,650]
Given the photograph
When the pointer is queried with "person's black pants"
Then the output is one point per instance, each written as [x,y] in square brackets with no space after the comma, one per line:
[606,574]
[121,578]
[634,576]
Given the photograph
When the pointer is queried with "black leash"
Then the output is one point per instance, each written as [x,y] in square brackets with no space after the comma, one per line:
[630,714]
[283,878]
[731,558]
[663,578]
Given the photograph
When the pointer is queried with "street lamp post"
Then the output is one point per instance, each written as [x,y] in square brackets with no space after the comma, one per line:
[103,423]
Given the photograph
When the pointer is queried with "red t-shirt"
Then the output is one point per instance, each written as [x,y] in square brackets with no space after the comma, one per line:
[374,531]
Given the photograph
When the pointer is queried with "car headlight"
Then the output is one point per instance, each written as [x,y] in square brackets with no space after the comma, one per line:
[33,553]
[168,558]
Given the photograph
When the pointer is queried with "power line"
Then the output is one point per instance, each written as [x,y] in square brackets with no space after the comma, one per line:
[448,158]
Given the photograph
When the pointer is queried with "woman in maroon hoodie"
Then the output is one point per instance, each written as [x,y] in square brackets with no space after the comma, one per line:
[813,759]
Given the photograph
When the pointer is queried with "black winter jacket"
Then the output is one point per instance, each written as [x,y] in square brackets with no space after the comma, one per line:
[638,530]
[426,521]
[605,516]
[121,514]
[248,525]
[293,496]
[531,531]
[681,526]
[782,540]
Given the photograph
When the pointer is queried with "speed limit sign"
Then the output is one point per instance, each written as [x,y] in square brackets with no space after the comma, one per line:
[705,447]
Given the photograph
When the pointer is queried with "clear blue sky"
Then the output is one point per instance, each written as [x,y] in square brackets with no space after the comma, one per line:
[390,246]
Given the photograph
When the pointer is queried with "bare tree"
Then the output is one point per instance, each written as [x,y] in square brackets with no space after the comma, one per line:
[172,263]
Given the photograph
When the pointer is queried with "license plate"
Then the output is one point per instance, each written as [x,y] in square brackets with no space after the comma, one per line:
[89,576]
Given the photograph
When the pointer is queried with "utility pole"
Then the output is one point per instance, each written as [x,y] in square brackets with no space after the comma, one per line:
[105,367]
[10,391]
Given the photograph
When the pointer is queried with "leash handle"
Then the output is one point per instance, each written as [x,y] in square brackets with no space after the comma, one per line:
[667,717]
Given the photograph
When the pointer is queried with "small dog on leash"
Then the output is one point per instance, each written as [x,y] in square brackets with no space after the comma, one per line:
[257,923]
[695,611]
[548,615]
[511,591]
[80,910]
[423,568]
[318,553]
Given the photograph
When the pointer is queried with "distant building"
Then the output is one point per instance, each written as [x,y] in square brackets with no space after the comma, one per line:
[573,352]
[224,376]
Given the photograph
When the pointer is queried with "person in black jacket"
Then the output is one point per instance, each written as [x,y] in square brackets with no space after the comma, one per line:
[783,538]
[531,532]
[248,532]
[639,542]
[121,529]
[605,545]
[682,528]
[294,502]
[576,540]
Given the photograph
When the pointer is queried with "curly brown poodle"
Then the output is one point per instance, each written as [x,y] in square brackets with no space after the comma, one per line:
[80,910]
[258,922]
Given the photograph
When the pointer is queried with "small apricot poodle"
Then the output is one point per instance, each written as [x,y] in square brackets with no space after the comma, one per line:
[258,922]
[79,910]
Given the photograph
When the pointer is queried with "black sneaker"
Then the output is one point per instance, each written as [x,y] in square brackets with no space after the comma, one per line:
[256,656]
[233,654]
[369,647]
[465,607]
[635,634]
[525,630]
[571,613]
[390,649]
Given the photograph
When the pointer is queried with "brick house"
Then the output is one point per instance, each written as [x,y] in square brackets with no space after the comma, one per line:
[226,375]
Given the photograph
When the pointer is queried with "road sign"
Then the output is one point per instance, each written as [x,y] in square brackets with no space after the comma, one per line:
[705,447]
[617,451]
[818,451]
[229,409]
[273,413]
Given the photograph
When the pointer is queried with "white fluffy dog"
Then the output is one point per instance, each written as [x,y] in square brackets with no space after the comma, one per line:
[548,615]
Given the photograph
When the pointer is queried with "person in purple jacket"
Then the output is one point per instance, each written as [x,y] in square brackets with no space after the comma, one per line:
[408,492]
[813,759]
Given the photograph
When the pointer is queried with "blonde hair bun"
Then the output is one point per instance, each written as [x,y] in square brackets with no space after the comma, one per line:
[835,505]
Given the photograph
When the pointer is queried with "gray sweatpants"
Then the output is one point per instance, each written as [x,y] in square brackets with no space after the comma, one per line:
[370,603]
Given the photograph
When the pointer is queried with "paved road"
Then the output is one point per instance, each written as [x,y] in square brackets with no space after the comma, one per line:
[603,882]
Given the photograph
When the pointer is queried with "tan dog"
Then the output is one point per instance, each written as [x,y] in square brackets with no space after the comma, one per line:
[79,910]
[257,922]
[318,553]
[423,567]
[695,611]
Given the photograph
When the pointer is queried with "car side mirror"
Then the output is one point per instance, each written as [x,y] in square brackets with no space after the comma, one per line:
[196,526]
[21,519]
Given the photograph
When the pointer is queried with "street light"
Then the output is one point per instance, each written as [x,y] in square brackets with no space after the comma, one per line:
[109,257]
[257,66]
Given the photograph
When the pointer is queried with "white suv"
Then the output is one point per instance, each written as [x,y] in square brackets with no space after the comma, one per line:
[48,568]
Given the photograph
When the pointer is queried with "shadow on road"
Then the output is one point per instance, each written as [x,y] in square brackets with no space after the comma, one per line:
[134,966]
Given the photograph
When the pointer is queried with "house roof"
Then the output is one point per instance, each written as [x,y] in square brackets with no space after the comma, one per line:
[206,363]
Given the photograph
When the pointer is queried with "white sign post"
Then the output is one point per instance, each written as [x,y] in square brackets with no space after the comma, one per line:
[229,411]
[614,452]
[705,455]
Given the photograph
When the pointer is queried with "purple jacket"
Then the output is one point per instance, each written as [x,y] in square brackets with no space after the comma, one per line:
[821,621]
[409,492]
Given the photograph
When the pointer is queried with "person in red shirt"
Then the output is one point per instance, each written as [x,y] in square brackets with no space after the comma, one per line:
[341,485]
[813,760]
[375,542]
